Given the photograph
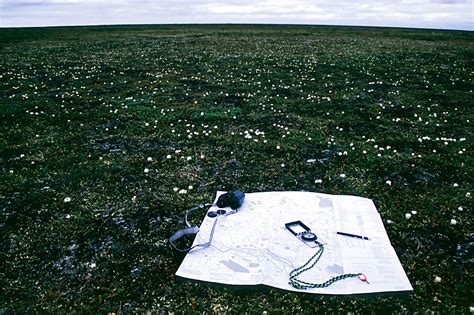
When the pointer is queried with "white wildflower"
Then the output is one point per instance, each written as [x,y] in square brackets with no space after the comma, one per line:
[318,181]
[388,182]
[453,222]
[182,191]
[67,199]
[408,215]
[437,279]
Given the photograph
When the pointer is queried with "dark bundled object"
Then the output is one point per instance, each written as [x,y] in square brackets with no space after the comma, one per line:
[232,199]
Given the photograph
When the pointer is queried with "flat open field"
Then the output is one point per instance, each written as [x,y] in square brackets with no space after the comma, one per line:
[108,134]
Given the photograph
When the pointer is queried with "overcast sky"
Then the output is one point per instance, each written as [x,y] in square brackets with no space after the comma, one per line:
[444,14]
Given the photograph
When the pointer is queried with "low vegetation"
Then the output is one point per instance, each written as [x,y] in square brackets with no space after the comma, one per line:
[108,134]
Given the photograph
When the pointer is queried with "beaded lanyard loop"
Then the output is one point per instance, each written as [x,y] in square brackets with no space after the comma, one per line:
[303,285]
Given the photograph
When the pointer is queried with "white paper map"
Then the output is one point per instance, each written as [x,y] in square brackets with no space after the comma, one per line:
[253,247]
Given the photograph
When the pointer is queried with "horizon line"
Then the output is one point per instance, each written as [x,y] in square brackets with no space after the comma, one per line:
[239,23]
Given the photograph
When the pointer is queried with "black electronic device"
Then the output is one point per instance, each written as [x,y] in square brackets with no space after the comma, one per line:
[302,232]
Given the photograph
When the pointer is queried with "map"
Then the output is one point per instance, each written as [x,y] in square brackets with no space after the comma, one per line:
[252,246]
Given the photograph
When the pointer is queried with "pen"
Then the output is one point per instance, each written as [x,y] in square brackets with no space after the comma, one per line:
[353,235]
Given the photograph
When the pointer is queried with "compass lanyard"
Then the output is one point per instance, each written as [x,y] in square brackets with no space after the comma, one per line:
[300,284]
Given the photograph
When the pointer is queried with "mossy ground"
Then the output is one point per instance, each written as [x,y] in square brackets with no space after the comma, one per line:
[109,133]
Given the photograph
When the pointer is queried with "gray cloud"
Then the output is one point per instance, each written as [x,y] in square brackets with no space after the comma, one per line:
[449,14]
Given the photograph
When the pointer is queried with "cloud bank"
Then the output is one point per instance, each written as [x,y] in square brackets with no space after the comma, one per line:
[443,14]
